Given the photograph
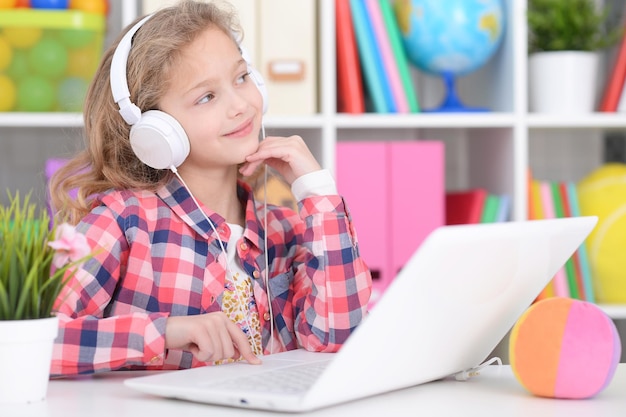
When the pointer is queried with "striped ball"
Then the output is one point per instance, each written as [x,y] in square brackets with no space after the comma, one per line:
[564,348]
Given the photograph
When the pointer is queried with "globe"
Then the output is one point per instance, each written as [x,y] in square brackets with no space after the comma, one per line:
[450,38]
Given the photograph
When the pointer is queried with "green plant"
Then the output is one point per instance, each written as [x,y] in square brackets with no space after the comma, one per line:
[569,25]
[34,259]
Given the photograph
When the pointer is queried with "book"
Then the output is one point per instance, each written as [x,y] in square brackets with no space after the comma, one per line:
[562,210]
[585,268]
[349,79]
[377,85]
[466,206]
[504,208]
[559,282]
[621,105]
[390,67]
[535,205]
[567,212]
[395,38]
[490,209]
[615,82]
[536,212]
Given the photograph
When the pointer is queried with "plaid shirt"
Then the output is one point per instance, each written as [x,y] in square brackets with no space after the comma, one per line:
[156,256]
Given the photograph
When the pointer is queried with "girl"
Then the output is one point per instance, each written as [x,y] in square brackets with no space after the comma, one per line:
[188,269]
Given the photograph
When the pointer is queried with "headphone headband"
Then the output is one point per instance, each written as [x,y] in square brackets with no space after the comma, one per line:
[119,83]
[156,137]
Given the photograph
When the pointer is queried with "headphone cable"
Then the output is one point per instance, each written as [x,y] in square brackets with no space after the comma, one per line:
[226,261]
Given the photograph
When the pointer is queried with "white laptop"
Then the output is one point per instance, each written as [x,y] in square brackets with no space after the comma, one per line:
[445,312]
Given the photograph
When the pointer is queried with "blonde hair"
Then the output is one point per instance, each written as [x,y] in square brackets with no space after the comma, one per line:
[108,161]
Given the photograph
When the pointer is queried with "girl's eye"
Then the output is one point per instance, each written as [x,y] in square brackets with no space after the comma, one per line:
[205,99]
[242,78]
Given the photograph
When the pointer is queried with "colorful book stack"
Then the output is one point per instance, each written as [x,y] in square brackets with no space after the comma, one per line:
[554,199]
[373,72]
[476,205]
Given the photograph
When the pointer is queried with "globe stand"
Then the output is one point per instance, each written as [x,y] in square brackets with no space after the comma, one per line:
[451,102]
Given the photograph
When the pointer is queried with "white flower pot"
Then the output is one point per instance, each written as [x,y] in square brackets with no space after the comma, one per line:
[25,356]
[563,82]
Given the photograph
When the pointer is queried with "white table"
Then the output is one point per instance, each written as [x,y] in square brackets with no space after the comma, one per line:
[493,393]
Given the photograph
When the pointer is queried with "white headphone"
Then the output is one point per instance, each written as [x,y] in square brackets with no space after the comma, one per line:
[156,137]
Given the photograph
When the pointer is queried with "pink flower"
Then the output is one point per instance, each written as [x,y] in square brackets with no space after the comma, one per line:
[69,245]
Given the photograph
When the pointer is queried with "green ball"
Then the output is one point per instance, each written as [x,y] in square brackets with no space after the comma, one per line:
[76,38]
[19,65]
[48,58]
[71,94]
[35,94]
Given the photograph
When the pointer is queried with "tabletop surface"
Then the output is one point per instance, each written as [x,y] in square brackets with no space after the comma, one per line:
[494,392]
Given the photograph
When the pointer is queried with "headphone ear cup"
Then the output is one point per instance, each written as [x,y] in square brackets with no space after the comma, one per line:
[159,141]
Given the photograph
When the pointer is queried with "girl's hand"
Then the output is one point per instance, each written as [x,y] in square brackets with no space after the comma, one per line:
[289,156]
[209,337]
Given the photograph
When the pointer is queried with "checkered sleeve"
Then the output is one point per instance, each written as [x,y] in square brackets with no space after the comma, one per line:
[332,284]
[88,341]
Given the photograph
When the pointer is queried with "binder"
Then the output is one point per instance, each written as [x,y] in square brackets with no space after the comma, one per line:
[287,55]
[395,193]
[362,180]
[417,188]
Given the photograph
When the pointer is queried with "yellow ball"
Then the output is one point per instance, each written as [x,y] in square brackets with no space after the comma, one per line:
[90,6]
[82,62]
[603,193]
[7,4]
[22,37]
[7,98]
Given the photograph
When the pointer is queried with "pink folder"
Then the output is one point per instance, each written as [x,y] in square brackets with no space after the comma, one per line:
[395,192]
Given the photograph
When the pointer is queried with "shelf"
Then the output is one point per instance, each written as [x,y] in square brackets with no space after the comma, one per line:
[41,120]
[303,122]
[361,121]
[425,120]
[586,121]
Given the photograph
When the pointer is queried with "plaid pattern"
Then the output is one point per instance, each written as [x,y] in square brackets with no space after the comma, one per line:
[156,256]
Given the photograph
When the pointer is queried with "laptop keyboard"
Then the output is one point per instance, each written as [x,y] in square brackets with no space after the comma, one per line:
[292,379]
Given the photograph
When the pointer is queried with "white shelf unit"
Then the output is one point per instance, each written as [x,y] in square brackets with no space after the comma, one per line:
[492,150]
